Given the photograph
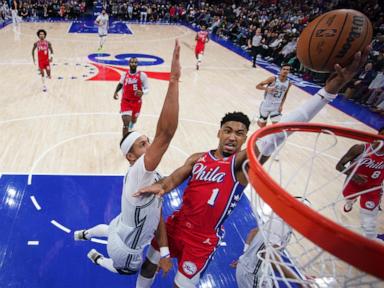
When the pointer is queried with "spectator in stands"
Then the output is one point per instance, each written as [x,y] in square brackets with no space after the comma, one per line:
[254,43]
[359,86]
[375,93]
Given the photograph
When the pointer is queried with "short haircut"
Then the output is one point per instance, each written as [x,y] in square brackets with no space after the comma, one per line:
[41,30]
[285,64]
[237,117]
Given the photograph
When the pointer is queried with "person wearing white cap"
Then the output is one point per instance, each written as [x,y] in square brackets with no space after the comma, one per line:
[140,217]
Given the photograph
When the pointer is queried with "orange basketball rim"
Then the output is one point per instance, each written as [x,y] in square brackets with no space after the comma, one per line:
[355,249]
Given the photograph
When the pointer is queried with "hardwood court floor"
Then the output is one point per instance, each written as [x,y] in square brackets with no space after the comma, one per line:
[75,128]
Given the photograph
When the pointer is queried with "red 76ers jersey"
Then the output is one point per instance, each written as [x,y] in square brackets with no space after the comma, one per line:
[132,83]
[211,195]
[371,165]
[42,50]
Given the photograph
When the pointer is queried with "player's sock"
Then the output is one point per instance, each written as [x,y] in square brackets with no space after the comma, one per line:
[98,231]
[304,113]
[143,282]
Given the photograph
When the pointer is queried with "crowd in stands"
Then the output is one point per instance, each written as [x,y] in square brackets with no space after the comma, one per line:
[265,28]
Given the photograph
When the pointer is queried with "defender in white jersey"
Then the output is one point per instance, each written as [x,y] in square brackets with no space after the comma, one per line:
[250,268]
[102,21]
[136,225]
[276,90]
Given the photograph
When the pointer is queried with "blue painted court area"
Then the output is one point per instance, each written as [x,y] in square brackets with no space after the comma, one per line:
[76,202]
[88,26]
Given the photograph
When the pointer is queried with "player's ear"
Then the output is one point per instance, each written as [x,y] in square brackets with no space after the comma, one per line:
[131,157]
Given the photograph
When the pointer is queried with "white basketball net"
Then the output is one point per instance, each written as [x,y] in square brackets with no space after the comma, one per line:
[304,165]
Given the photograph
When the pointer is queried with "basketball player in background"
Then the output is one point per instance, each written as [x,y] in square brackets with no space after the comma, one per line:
[102,21]
[201,38]
[275,93]
[216,183]
[14,13]
[135,226]
[135,85]
[44,55]
[365,175]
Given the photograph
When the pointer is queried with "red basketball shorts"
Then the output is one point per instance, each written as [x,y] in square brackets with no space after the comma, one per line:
[193,251]
[199,49]
[130,107]
[44,65]
[368,200]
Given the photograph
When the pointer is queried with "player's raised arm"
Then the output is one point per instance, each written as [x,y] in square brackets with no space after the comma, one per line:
[33,52]
[169,116]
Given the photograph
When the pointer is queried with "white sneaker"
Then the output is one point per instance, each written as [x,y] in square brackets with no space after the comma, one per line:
[45,88]
[93,255]
[80,235]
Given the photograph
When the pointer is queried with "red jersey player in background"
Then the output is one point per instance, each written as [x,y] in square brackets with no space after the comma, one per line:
[201,38]
[43,56]
[216,182]
[366,164]
[135,85]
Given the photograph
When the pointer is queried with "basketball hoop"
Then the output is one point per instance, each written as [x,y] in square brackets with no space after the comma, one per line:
[335,247]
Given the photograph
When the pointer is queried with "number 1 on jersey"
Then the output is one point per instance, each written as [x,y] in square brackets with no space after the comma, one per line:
[215,193]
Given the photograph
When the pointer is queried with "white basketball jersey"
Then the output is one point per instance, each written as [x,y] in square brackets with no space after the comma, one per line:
[140,216]
[103,21]
[277,96]
[275,232]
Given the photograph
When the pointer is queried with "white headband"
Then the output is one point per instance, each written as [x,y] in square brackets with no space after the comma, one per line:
[128,142]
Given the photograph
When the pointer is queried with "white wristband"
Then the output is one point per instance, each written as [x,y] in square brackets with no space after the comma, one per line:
[164,252]
[327,96]
[245,247]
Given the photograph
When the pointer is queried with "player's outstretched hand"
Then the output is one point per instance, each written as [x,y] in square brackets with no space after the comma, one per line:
[165,264]
[153,189]
[175,66]
[343,75]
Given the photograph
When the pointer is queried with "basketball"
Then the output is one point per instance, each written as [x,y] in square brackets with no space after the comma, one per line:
[333,38]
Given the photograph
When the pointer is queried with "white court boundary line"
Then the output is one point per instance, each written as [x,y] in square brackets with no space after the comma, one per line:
[97,114]
[60,226]
[126,38]
[33,243]
[63,142]
[34,201]
[100,241]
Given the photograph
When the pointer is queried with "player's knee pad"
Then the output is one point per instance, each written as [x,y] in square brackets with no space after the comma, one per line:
[200,57]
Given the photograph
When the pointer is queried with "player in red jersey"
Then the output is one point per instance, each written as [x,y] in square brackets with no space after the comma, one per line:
[365,179]
[135,85]
[216,184]
[202,37]
[44,58]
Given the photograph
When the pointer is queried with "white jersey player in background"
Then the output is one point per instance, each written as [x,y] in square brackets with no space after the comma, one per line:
[102,21]
[251,270]
[136,225]
[276,90]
